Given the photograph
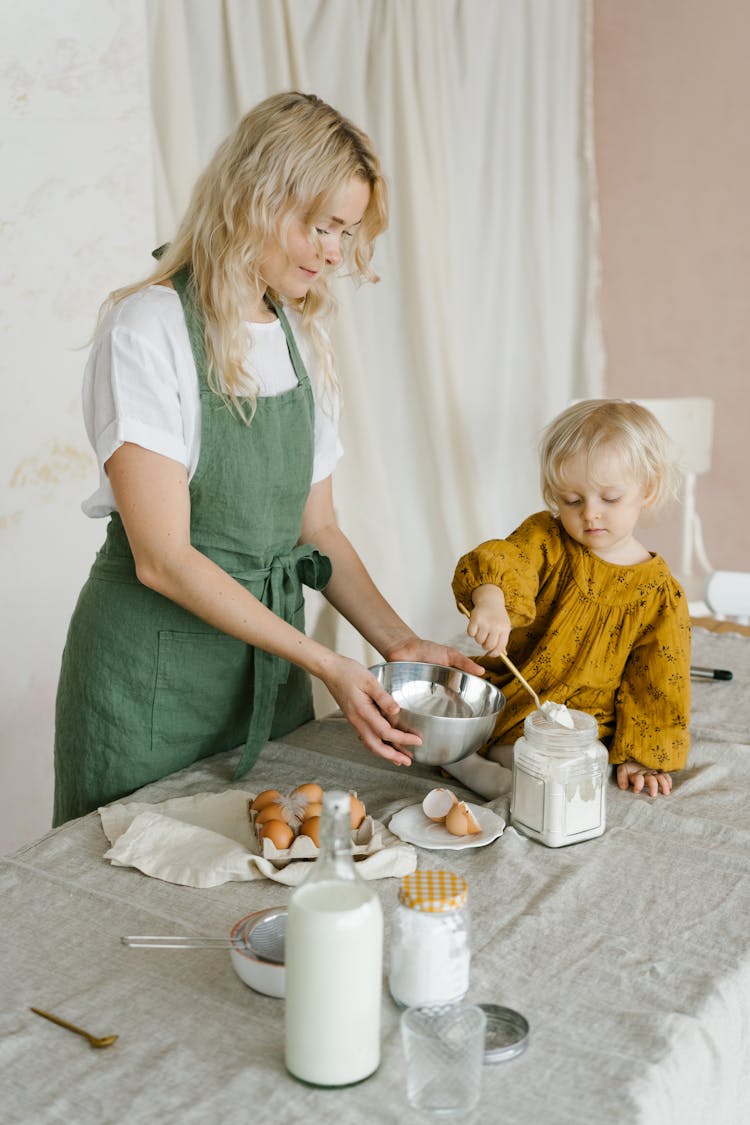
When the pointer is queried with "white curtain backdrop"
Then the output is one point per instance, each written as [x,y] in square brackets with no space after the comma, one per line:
[484,324]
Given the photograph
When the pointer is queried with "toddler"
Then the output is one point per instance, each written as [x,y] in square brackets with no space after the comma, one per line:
[588,615]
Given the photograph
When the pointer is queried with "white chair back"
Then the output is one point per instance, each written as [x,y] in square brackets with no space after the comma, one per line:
[689,422]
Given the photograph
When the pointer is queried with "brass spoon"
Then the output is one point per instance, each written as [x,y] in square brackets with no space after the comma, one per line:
[94,1040]
[511,665]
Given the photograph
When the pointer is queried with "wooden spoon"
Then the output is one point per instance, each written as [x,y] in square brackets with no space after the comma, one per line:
[507,660]
[547,711]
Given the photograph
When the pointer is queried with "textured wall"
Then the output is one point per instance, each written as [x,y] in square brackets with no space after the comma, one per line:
[76,220]
[673,163]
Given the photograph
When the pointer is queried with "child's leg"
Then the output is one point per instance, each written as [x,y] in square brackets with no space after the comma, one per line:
[488,779]
[502,753]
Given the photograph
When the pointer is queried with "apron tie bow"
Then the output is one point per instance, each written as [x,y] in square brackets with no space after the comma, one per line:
[286,575]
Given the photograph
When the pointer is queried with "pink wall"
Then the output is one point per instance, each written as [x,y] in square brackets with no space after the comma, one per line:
[672,126]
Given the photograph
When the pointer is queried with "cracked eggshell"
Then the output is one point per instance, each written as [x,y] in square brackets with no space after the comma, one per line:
[438,803]
[461,821]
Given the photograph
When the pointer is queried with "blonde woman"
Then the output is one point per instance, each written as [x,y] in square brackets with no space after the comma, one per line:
[211,402]
[589,616]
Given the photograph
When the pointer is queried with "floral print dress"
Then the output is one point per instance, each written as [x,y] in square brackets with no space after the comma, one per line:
[610,640]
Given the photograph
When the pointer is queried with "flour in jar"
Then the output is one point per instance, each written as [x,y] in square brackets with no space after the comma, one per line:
[559,714]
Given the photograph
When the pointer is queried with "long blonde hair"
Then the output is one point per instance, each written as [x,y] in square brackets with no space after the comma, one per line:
[284,161]
[627,428]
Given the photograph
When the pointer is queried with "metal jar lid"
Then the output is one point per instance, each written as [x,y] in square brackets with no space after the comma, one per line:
[507,1033]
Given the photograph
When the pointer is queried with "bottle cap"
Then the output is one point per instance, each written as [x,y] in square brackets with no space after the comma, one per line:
[336,801]
[433,892]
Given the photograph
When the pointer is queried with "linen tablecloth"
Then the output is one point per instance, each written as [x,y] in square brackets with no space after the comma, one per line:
[629,955]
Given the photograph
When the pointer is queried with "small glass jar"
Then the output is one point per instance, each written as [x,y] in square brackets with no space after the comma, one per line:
[430,949]
[559,780]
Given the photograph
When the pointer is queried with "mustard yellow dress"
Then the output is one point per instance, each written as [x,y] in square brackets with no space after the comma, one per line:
[610,640]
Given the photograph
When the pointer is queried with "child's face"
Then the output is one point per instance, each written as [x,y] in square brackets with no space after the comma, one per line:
[600,504]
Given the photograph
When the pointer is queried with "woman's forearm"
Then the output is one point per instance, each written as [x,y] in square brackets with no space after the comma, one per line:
[153,500]
[354,594]
[200,586]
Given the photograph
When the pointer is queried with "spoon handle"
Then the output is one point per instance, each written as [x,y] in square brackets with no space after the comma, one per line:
[63,1023]
[507,660]
[165,941]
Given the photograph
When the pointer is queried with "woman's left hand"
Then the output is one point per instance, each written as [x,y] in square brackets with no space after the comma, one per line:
[633,774]
[428,652]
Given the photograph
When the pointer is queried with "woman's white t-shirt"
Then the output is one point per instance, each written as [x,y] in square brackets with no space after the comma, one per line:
[140,385]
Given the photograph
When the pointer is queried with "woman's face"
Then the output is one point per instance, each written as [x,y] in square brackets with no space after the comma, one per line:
[291,270]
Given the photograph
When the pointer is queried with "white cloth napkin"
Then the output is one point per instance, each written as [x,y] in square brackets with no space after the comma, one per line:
[208,839]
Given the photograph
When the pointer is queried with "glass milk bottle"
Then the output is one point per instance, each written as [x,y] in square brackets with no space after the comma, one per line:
[559,780]
[334,962]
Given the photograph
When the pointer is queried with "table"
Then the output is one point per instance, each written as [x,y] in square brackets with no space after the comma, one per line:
[629,955]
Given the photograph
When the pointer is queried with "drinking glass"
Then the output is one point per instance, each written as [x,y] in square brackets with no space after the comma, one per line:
[444,1049]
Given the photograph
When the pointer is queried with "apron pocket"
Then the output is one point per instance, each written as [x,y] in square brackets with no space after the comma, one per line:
[202,696]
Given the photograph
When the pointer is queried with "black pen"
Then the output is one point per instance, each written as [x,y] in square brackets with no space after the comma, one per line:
[709,673]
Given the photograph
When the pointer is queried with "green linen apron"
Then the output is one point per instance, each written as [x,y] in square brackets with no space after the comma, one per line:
[147,688]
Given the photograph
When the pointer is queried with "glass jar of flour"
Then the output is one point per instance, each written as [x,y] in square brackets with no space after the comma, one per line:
[430,951]
[559,780]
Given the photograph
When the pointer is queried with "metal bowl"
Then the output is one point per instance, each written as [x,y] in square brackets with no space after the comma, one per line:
[454,712]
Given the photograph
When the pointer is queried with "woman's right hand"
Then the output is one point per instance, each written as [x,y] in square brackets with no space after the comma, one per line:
[369,708]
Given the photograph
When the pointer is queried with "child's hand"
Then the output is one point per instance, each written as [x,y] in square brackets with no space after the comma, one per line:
[489,624]
[640,777]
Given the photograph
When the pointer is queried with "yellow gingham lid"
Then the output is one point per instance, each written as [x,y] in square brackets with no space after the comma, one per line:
[434,892]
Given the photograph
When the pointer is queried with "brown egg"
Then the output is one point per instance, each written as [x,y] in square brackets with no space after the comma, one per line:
[267,797]
[311,809]
[311,828]
[310,791]
[274,811]
[279,833]
[438,803]
[356,810]
[461,821]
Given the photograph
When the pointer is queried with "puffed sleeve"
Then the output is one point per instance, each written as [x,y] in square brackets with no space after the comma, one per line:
[652,704]
[517,565]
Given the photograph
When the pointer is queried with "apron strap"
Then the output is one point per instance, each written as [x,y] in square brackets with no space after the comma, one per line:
[185,289]
[304,565]
[299,368]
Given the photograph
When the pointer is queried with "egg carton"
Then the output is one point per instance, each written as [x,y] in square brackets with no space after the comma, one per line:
[366,840]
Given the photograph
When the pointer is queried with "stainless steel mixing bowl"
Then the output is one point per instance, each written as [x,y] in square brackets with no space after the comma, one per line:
[454,711]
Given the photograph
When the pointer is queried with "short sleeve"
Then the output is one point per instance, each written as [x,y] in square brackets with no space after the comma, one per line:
[134,386]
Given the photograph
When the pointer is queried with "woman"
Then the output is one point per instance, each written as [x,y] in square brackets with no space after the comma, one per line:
[216,456]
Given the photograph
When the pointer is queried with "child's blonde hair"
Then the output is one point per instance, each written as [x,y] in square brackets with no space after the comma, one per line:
[627,428]
[286,160]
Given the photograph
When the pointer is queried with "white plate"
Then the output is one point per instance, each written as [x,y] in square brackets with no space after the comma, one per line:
[411,824]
